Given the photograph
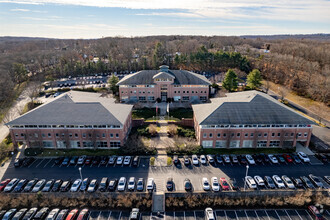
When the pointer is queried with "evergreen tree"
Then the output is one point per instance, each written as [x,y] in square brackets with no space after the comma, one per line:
[254,79]
[113,80]
[230,81]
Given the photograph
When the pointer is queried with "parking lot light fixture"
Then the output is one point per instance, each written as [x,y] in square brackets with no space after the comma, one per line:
[80,173]
[247,169]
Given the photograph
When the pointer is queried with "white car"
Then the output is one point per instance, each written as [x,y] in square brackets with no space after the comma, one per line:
[131,184]
[272,158]
[150,184]
[206,184]
[226,158]
[92,186]
[194,159]
[288,182]
[52,214]
[81,160]
[203,159]
[303,157]
[121,184]
[209,214]
[259,181]
[127,160]
[215,184]
[76,185]
[250,182]
[40,184]
[10,186]
[250,159]
[120,160]
[278,181]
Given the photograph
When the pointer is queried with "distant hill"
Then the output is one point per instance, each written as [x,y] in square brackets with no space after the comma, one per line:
[289,36]
[9,38]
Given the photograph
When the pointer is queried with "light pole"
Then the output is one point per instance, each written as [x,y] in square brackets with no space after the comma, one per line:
[80,173]
[247,169]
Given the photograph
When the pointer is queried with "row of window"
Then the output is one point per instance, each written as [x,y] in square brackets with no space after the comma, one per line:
[188,92]
[256,126]
[66,126]
[150,98]
[237,144]
[205,135]
[85,144]
[143,92]
[84,135]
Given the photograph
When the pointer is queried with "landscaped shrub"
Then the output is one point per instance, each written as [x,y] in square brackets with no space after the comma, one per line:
[32,151]
[172,130]
[152,129]
[186,132]
[152,161]
[169,161]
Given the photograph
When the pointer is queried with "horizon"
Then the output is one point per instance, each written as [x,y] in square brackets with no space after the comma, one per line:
[83,19]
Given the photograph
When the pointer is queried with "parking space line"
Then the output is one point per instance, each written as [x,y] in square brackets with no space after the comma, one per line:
[150,215]
[267,214]
[246,214]
[257,214]
[68,164]
[140,216]
[174,215]
[236,214]
[309,214]
[287,214]
[119,215]
[327,212]
[195,215]
[298,214]
[184,215]
[226,215]
[32,163]
[109,215]
[98,217]
[53,165]
[277,214]
[164,215]
[48,162]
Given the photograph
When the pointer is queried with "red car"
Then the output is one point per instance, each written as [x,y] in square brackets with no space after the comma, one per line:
[224,184]
[315,212]
[72,215]
[288,158]
[88,161]
[83,214]
[3,184]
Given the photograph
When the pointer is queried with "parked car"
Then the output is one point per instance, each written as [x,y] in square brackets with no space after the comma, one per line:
[233,183]
[104,161]
[315,212]
[53,214]
[233,158]
[195,160]
[327,179]
[186,160]
[307,183]
[150,184]
[219,159]
[84,185]
[280,158]
[202,158]
[241,159]
[48,186]
[260,182]
[39,185]
[224,184]
[112,185]
[30,214]
[83,215]
[19,215]
[112,160]
[121,184]
[58,160]
[264,158]
[96,160]
[20,186]
[322,158]
[120,160]
[205,184]
[92,186]
[226,158]
[296,158]
[140,185]
[127,160]
[103,184]
[81,160]
[288,158]
[209,215]
[30,185]
[187,184]
[18,162]
[62,214]
[9,214]
[269,182]
[297,182]
[57,185]
[2,213]
[66,161]
[272,158]
[288,182]
[250,182]
[210,158]
[303,157]
[131,184]
[65,186]
[316,180]
[3,184]
[215,184]
[11,185]
[136,161]
[88,160]
[72,214]
[175,160]
[257,158]
[278,181]
[42,213]
[250,159]
[76,185]
[134,214]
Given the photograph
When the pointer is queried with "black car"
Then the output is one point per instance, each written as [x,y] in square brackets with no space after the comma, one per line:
[96,160]
[18,162]
[28,161]
[241,159]
[42,213]
[280,158]
[30,185]
[219,159]
[59,160]
[306,181]
[19,215]
[65,186]
[233,183]
[84,184]
[264,158]
[297,182]
[103,184]
[57,185]
[175,159]
[257,158]
[104,161]
[187,184]
[169,184]
[29,214]
[113,185]
[322,158]
[65,161]
[62,214]
[73,160]
[186,160]
[20,186]
[136,161]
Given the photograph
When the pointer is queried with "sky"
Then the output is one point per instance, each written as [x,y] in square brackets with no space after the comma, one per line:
[84,19]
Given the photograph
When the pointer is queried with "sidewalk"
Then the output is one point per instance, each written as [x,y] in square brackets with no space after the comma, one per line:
[4,166]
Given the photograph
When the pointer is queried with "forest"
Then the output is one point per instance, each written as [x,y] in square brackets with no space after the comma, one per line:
[299,63]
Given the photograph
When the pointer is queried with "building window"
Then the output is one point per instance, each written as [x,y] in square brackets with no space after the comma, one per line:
[36,135]
[43,135]
[84,135]
[259,135]
[247,143]
[262,144]
[221,144]
[76,135]
[117,135]
[22,135]
[273,134]
[202,98]
[286,134]
[56,135]
[211,135]
[103,135]
[75,144]
[219,135]
[238,134]
[305,135]
[299,134]
[151,98]
[251,135]
[292,134]
[70,135]
[224,134]
[185,98]
[274,143]
[234,144]
[207,144]
[115,144]
[174,91]
[265,134]
[89,135]
[101,144]
[183,91]
[47,144]
[63,134]
[87,144]
[192,92]
[142,98]
[232,134]
[278,134]
[204,135]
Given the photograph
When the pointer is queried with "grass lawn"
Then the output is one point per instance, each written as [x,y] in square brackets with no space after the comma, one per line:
[143,113]
[181,113]
[247,151]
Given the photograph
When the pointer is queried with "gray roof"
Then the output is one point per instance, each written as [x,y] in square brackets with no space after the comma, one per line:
[182,77]
[250,107]
[77,108]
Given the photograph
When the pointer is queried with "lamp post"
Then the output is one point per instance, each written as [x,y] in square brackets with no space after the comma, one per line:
[247,169]
[80,173]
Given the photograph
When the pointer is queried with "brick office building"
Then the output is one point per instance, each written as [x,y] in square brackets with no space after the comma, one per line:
[74,120]
[249,119]
[148,85]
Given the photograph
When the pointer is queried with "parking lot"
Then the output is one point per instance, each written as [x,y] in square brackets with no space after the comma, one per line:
[248,214]
[46,169]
